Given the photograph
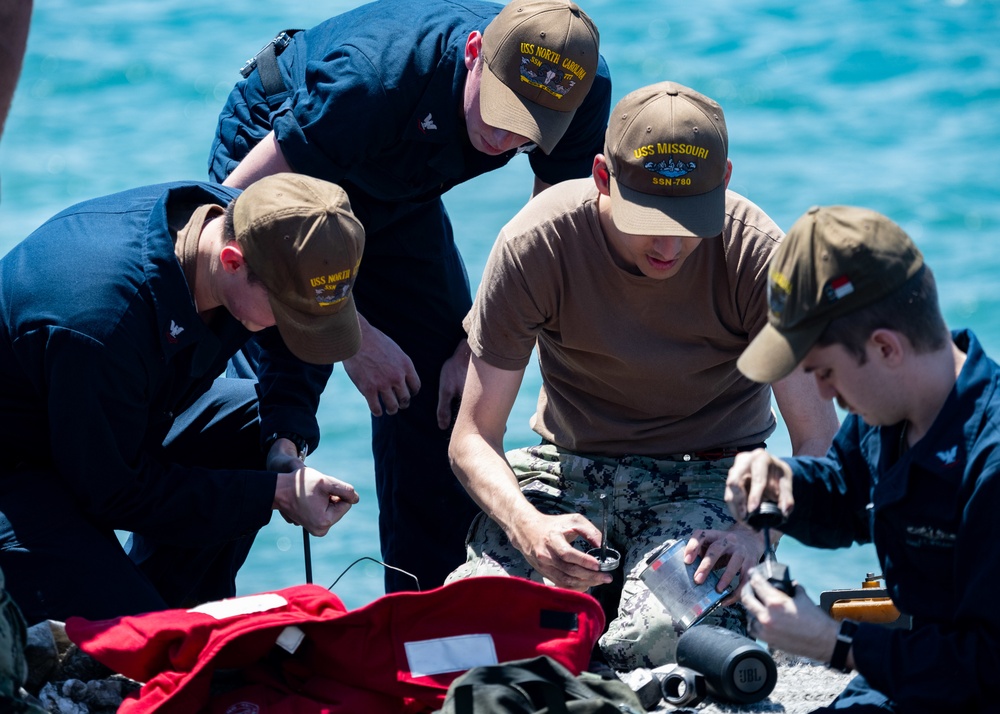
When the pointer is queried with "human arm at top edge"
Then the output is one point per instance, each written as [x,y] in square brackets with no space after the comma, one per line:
[15,18]
[811,420]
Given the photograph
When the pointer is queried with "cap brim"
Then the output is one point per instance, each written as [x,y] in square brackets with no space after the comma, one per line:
[319,339]
[774,354]
[503,108]
[701,216]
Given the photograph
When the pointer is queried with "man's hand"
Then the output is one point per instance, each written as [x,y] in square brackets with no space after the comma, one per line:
[312,499]
[382,372]
[546,543]
[453,373]
[794,625]
[739,549]
[756,476]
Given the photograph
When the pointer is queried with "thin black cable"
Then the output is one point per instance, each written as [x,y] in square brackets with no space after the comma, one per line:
[384,565]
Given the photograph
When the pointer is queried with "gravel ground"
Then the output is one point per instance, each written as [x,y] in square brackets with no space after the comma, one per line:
[802,686]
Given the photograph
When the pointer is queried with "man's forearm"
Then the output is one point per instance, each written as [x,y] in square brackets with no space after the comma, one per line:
[15,19]
[263,160]
[487,477]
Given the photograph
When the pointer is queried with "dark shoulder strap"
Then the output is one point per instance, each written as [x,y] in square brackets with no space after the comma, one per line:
[266,62]
[270,75]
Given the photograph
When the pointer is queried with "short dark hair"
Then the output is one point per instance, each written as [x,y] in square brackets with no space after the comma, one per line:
[912,309]
[229,234]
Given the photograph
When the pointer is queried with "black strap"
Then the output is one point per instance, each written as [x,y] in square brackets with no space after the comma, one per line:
[845,638]
[266,64]
[270,75]
[555,700]
[529,686]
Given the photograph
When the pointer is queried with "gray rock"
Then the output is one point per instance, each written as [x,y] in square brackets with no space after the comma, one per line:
[99,696]
[41,651]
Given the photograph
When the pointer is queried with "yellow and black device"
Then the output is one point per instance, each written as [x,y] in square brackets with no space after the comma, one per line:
[870,603]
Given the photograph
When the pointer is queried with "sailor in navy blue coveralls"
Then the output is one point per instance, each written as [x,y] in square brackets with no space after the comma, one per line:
[930,522]
[115,417]
[375,104]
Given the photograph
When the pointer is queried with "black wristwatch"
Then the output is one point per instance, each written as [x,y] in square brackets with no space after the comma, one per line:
[300,443]
[845,638]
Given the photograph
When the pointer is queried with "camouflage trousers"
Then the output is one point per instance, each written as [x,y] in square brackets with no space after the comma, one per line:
[651,502]
[13,668]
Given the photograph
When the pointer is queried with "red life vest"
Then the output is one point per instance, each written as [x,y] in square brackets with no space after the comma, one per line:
[300,650]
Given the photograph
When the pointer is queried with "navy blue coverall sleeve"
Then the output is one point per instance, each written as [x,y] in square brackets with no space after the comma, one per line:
[99,414]
[289,390]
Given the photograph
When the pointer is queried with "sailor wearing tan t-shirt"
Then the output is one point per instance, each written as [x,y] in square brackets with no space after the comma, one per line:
[640,288]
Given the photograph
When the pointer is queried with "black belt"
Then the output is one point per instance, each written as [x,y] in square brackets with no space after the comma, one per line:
[713,454]
[266,64]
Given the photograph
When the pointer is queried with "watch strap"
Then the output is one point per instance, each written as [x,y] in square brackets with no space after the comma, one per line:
[300,443]
[845,638]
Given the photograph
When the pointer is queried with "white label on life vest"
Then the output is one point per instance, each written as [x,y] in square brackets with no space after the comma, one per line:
[450,654]
[290,639]
[249,604]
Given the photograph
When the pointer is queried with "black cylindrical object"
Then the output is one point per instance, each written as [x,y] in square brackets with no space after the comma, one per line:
[736,668]
[681,686]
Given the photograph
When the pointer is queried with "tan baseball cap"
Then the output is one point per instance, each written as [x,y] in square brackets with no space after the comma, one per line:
[540,58]
[667,151]
[298,234]
[833,261]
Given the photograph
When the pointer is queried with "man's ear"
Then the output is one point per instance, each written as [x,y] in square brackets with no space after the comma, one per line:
[231,257]
[729,171]
[888,345]
[473,48]
[602,177]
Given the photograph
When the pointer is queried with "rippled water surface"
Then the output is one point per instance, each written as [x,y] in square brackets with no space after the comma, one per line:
[888,105]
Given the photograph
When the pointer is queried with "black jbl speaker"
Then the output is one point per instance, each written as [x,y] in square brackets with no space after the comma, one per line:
[735,668]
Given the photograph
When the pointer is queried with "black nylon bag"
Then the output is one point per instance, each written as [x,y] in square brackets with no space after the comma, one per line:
[539,685]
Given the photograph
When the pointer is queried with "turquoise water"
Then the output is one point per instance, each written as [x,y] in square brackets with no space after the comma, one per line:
[890,105]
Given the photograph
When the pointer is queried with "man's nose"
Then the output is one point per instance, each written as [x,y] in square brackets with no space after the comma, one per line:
[825,390]
[667,246]
[506,140]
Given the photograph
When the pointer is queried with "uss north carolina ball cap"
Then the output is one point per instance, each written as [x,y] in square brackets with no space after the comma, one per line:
[540,58]
[834,261]
[298,234]
[667,151]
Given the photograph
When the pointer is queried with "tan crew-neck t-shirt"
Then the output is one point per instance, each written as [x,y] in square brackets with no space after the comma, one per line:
[630,365]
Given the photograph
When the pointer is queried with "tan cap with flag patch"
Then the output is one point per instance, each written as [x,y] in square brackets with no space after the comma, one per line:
[833,261]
